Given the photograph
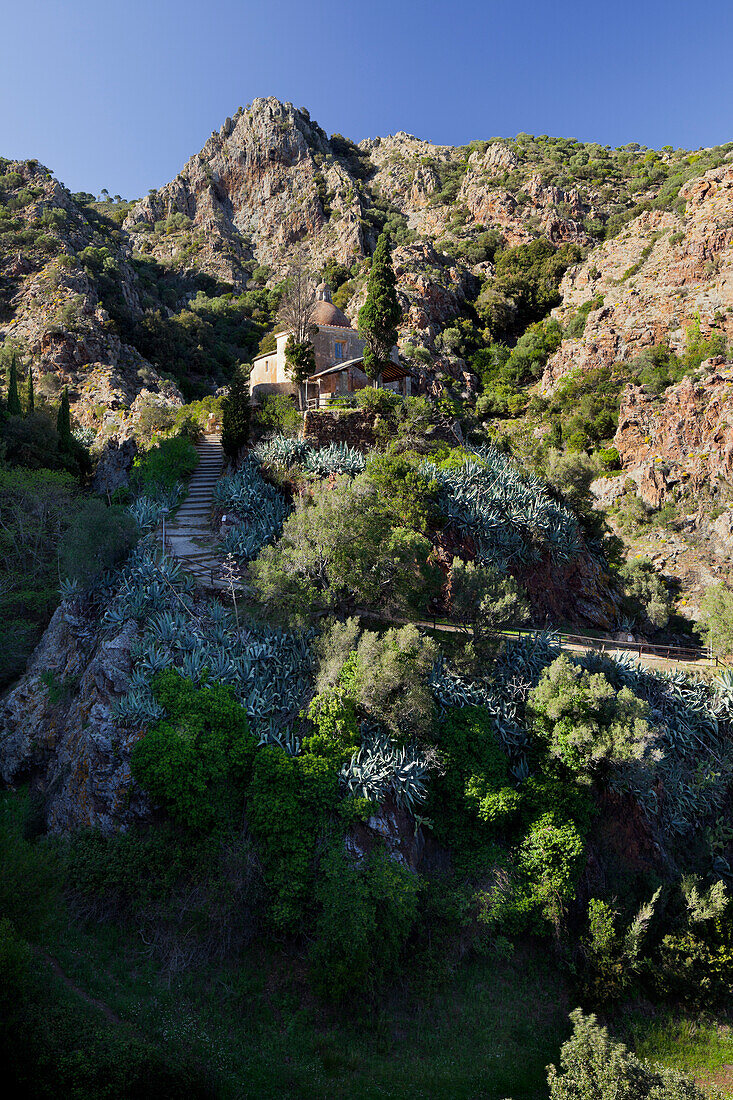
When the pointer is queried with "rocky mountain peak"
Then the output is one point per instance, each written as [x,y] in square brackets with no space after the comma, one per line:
[266,182]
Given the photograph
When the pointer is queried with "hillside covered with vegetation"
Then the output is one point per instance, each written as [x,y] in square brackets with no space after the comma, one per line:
[350,817]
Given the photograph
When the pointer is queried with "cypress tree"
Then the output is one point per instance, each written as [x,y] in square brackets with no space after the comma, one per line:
[13,396]
[63,421]
[381,312]
[235,414]
[30,395]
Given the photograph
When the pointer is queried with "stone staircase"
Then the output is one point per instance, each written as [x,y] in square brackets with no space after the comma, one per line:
[189,536]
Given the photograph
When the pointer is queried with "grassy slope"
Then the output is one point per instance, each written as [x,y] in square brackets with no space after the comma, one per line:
[490,1032]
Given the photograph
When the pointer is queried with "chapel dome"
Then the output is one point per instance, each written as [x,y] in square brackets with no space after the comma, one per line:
[326,313]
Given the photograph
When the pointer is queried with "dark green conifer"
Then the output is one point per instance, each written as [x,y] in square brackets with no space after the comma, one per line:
[381,312]
[13,396]
[235,415]
[63,421]
[30,404]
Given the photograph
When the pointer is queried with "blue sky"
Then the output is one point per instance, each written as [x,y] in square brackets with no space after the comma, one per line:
[120,94]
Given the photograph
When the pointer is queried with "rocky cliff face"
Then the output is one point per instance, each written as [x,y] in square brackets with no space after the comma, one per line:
[267,181]
[108,307]
[51,303]
[56,728]
[687,433]
[661,274]
[677,451]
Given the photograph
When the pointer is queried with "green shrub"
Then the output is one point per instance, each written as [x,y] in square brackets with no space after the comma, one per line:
[165,464]
[277,413]
[98,538]
[29,880]
[36,507]
[378,400]
[645,593]
[552,855]
[695,972]
[367,914]
[289,803]
[486,598]
[593,1067]
[716,619]
[345,547]
[195,762]
[391,676]
[586,723]
[472,801]
[336,733]
[610,458]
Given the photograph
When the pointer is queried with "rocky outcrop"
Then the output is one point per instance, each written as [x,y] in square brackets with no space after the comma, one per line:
[558,214]
[663,273]
[395,830]
[266,182]
[114,462]
[580,591]
[56,728]
[687,433]
[51,304]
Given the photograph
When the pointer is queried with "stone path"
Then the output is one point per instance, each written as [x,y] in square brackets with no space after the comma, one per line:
[189,536]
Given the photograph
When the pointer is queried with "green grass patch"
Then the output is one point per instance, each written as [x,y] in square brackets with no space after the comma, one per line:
[702,1049]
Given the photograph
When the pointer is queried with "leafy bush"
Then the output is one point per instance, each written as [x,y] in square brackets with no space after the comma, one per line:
[472,802]
[154,416]
[346,548]
[277,413]
[482,596]
[195,763]
[33,441]
[716,619]
[289,802]
[165,464]
[388,676]
[646,594]
[693,963]
[593,1067]
[585,721]
[552,855]
[571,475]
[98,538]
[191,897]
[36,508]
[367,913]
[609,458]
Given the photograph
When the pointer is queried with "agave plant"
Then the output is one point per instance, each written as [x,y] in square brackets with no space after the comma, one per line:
[381,767]
[258,506]
[69,589]
[509,515]
[336,458]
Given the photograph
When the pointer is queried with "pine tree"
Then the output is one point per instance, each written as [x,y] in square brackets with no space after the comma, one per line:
[381,313]
[30,404]
[235,414]
[63,421]
[13,396]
